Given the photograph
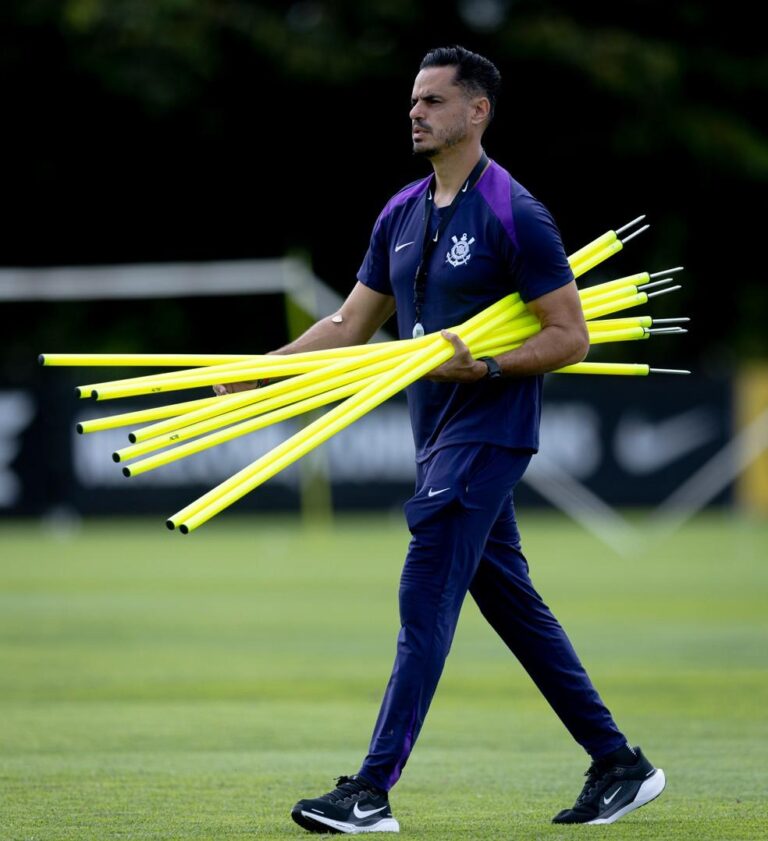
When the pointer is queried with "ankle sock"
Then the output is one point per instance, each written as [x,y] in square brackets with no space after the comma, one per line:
[622,756]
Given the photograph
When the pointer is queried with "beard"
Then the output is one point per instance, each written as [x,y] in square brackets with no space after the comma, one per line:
[443,140]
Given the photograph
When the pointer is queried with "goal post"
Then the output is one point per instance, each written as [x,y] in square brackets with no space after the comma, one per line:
[306,299]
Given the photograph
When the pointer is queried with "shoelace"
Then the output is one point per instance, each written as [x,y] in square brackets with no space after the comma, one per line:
[345,787]
[594,774]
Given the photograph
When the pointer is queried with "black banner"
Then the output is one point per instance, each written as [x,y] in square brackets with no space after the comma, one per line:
[628,441]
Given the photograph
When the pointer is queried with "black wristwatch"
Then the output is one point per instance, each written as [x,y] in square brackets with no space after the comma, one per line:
[494,369]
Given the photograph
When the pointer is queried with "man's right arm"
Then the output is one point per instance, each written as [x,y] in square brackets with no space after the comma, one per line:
[355,323]
[360,316]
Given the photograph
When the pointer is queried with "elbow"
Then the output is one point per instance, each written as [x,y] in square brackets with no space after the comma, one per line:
[580,346]
[584,345]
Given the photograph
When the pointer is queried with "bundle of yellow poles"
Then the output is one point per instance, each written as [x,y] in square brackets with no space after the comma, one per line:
[361,377]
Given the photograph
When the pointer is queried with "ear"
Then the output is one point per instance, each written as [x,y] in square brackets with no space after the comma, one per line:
[481,110]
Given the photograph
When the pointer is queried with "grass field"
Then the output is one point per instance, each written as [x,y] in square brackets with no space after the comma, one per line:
[159,687]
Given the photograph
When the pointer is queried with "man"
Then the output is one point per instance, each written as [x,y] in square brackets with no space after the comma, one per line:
[443,249]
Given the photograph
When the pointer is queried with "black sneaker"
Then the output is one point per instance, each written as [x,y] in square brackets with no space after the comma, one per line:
[612,791]
[353,806]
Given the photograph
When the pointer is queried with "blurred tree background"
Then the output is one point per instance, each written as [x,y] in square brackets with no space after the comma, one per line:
[186,130]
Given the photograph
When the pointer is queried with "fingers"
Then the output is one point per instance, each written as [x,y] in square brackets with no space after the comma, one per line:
[233,388]
[458,345]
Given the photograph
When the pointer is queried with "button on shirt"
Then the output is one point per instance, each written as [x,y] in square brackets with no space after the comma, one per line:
[500,240]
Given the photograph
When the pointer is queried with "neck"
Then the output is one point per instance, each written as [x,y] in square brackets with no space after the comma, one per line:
[452,168]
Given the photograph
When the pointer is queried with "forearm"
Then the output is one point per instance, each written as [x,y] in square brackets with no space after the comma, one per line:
[553,347]
[355,323]
[361,315]
[327,333]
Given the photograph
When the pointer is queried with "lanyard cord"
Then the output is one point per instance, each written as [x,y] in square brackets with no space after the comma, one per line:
[429,243]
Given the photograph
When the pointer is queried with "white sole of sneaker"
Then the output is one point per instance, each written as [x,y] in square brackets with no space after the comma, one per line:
[648,791]
[384,825]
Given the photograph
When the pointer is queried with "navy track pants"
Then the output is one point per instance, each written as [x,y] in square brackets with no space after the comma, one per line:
[465,538]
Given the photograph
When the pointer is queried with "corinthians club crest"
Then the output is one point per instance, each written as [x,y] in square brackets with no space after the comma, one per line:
[459,253]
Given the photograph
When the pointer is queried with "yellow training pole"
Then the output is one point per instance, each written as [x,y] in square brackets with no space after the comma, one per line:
[615,305]
[487,347]
[613,294]
[269,365]
[599,257]
[620,323]
[230,402]
[143,415]
[604,243]
[170,360]
[130,360]
[585,255]
[636,280]
[336,419]
[623,369]
[283,366]
[187,429]
[590,295]
[496,345]
[370,372]
[223,435]
[630,334]
[581,261]
[273,395]
[207,377]
[163,383]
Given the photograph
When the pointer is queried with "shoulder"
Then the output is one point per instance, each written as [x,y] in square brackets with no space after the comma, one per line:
[503,196]
[410,193]
[514,206]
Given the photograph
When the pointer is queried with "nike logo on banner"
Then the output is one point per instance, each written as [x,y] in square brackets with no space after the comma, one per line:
[432,493]
[403,245]
[607,800]
[359,813]
[643,446]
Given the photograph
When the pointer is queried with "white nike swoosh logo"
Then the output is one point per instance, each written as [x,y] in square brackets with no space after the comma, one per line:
[431,493]
[644,446]
[404,245]
[607,800]
[359,813]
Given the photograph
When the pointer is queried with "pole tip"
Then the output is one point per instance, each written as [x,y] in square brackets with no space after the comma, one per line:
[132,437]
[184,529]
[115,456]
[169,524]
[79,428]
[41,359]
[78,392]
[127,472]
[95,394]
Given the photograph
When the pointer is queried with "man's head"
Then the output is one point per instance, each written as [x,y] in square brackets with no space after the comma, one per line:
[454,97]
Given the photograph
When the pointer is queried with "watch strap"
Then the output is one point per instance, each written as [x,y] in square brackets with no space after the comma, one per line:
[494,369]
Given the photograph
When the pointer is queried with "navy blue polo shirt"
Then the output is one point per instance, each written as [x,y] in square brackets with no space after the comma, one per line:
[500,240]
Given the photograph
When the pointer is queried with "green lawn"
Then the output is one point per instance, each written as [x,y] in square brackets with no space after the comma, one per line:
[160,687]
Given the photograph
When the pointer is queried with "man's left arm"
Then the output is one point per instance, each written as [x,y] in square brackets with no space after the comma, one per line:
[563,340]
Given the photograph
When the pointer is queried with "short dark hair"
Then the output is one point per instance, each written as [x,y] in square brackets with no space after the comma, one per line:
[475,73]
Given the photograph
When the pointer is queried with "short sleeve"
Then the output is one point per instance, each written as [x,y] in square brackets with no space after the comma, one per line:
[542,265]
[374,272]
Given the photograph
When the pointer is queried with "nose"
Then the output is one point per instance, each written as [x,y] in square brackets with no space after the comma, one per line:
[416,111]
